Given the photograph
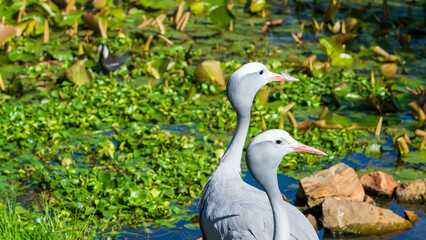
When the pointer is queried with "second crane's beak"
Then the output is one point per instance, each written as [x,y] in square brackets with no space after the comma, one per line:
[283,77]
[302,148]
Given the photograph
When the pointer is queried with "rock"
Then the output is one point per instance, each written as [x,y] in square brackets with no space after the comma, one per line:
[414,191]
[313,221]
[411,216]
[340,182]
[341,217]
[378,184]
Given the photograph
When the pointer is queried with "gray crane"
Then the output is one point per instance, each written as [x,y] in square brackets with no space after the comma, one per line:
[263,156]
[229,207]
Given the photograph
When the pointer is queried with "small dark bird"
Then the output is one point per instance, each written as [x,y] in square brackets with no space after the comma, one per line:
[110,62]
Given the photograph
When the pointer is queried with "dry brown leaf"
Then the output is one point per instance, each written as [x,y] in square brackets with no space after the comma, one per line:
[91,20]
[304,124]
[6,32]
[324,124]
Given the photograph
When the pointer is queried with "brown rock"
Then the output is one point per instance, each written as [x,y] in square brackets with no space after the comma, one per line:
[414,191]
[313,221]
[378,184]
[411,216]
[341,217]
[340,182]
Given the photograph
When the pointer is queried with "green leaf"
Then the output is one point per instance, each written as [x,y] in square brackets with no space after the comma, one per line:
[370,121]
[136,193]
[197,7]
[221,16]
[337,119]
[18,54]
[331,46]
[61,54]
[257,5]
[155,192]
[155,4]
[342,60]
[415,157]
[78,74]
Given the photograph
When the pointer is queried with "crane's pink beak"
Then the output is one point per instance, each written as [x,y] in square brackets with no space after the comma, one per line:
[302,148]
[283,77]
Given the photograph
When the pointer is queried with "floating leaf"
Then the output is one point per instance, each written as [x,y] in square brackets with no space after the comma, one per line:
[324,124]
[197,7]
[342,38]
[155,4]
[369,122]
[404,40]
[221,16]
[256,5]
[331,46]
[210,70]
[415,157]
[118,13]
[342,60]
[337,119]
[6,32]
[91,20]
[61,54]
[330,12]
[157,67]
[373,150]
[78,74]
[18,54]
[100,3]
[388,70]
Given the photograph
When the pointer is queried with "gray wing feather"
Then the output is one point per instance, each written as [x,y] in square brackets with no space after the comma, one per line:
[248,215]
[239,220]
[300,226]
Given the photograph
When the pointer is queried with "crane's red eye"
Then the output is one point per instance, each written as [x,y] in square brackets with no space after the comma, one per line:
[261,72]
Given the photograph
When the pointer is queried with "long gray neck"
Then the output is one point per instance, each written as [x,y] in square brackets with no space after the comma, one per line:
[231,159]
[281,221]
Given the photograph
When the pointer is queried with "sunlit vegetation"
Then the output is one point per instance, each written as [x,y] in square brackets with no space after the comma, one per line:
[133,147]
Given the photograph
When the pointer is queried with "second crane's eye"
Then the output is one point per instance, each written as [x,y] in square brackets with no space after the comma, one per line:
[261,72]
[278,141]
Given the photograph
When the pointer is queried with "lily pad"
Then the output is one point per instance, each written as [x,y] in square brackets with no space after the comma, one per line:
[6,32]
[18,54]
[337,119]
[221,16]
[368,122]
[78,74]
[210,70]
[415,157]
[342,60]
[331,46]
[197,7]
[61,54]
[388,70]
[256,5]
